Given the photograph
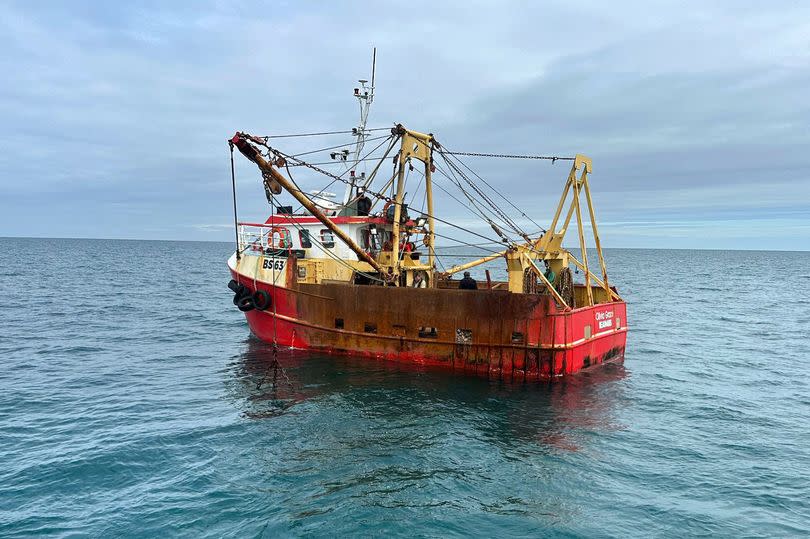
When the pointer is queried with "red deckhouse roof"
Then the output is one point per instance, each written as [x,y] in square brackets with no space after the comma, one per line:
[281,218]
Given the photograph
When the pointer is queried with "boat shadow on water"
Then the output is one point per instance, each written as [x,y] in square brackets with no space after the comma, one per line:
[504,410]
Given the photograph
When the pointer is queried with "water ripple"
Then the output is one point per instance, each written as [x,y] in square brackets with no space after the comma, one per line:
[127,412]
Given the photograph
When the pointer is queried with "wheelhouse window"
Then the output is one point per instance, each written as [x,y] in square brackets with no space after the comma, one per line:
[306,242]
[327,238]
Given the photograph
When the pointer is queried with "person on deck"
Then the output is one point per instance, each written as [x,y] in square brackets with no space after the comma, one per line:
[467,283]
[549,273]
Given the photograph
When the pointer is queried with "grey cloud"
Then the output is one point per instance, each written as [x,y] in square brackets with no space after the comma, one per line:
[121,111]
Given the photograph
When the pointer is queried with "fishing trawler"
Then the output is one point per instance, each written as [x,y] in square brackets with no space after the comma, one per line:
[361,274]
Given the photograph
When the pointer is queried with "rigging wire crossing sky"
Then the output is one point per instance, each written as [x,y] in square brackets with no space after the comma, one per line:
[116,116]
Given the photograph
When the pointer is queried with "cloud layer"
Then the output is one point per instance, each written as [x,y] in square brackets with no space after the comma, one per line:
[696,117]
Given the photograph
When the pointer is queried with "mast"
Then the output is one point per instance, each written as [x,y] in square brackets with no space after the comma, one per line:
[413,145]
[429,167]
[365,96]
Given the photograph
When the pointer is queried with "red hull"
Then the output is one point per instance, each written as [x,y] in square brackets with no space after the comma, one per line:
[553,343]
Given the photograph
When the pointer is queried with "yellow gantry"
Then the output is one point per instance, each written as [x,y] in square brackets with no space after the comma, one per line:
[414,145]
[548,247]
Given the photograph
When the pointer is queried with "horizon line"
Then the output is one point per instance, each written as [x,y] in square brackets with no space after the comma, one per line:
[438,246]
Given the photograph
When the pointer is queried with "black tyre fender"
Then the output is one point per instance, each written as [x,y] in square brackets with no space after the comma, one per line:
[262,300]
[233,285]
[240,292]
[245,304]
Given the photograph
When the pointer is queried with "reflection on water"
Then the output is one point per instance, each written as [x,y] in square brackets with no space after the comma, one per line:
[504,412]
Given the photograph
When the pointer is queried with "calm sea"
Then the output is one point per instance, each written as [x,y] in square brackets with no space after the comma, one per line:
[133,402]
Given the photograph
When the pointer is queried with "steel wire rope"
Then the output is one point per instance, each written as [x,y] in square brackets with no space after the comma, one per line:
[325,163]
[483,214]
[466,244]
[379,195]
[350,132]
[336,147]
[418,185]
[479,213]
[274,363]
[475,210]
[383,197]
[458,226]
[495,190]
[334,177]
[233,187]
[507,221]
[324,172]
[501,242]
[309,165]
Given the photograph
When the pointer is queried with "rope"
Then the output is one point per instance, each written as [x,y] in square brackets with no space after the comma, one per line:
[350,132]
[324,172]
[480,211]
[337,147]
[274,364]
[498,212]
[233,189]
[498,192]
[464,243]
[329,174]
[383,196]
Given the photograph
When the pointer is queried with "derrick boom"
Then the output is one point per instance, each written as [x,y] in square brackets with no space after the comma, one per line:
[276,181]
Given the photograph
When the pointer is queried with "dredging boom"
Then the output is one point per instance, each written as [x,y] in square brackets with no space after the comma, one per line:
[271,175]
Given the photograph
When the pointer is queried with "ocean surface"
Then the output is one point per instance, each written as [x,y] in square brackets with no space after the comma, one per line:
[134,403]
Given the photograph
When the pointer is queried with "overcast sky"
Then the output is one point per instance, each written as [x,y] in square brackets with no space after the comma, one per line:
[115,115]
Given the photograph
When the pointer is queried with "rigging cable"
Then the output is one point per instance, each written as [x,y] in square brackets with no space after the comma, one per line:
[333,176]
[506,219]
[336,147]
[498,192]
[233,189]
[467,244]
[320,170]
[480,211]
[378,195]
[274,364]
[350,132]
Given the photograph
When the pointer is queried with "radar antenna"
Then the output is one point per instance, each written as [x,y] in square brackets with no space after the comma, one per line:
[365,96]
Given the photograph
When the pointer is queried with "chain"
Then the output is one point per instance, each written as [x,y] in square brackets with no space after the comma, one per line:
[551,158]
[302,163]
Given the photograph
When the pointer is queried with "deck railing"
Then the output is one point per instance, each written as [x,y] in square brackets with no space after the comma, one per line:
[256,239]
